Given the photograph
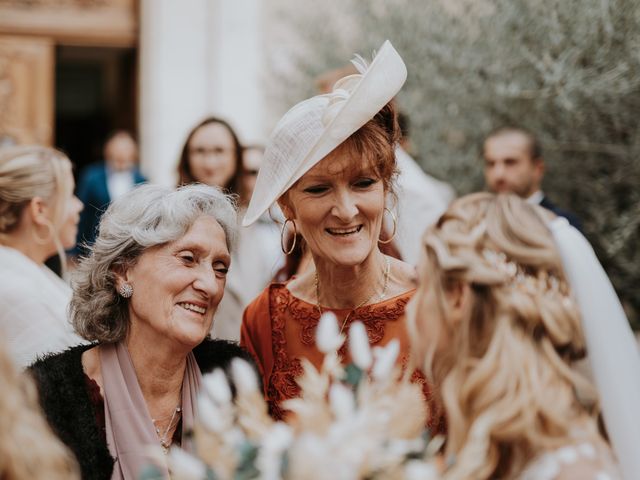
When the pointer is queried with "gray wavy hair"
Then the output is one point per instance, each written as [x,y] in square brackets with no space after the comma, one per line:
[147,216]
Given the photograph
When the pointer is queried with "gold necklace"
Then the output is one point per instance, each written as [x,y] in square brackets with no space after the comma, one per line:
[385,285]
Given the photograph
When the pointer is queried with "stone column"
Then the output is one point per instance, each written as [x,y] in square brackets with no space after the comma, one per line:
[197,58]
[237,66]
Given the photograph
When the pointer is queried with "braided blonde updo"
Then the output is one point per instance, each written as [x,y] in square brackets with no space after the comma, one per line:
[505,378]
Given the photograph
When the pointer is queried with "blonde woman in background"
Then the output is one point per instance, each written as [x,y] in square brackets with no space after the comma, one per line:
[495,326]
[28,447]
[38,217]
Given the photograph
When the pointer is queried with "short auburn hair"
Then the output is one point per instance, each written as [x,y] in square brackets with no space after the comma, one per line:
[376,142]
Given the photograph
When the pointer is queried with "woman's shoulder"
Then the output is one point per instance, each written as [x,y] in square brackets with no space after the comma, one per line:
[59,365]
[59,375]
[65,398]
[61,383]
[19,273]
[261,305]
[217,353]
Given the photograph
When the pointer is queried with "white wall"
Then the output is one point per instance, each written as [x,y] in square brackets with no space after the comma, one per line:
[238,92]
[197,58]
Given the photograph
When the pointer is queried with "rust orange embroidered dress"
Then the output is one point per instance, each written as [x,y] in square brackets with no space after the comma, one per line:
[278,329]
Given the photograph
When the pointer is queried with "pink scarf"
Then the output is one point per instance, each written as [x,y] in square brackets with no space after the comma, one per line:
[131,434]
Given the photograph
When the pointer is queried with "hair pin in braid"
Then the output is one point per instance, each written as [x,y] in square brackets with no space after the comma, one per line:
[545,283]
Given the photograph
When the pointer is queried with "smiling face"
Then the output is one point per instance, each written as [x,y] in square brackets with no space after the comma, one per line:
[338,207]
[178,286]
[212,155]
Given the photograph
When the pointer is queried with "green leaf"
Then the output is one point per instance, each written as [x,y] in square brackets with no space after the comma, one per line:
[246,469]
[354,374]
[151,472]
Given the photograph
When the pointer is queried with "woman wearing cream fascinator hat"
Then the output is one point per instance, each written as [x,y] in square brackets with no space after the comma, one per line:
[507,300]
[330,165]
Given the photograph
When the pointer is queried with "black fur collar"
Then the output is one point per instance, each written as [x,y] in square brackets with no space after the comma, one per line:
[68,408]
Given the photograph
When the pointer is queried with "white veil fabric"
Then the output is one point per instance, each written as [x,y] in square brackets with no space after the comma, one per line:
[611,347]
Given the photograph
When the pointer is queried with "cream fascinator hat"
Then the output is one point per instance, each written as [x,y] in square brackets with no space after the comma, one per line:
[315,127]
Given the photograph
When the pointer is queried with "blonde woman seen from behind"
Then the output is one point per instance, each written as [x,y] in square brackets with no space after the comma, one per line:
[28,448]
[38,217]
[494,325]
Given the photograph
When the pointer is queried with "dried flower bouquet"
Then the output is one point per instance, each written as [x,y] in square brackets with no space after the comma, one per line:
[363,421]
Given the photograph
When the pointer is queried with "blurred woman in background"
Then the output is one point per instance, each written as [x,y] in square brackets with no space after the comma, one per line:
[39,217]
[212,155]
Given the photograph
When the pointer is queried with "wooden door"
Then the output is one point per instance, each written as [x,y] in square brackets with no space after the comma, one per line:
[26,89]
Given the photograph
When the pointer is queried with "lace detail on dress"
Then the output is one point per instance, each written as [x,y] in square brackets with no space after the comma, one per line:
[282,382]
[374,318]
[579,461]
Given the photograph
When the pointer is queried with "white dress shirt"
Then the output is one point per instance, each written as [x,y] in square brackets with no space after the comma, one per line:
[119,183]
[536,197]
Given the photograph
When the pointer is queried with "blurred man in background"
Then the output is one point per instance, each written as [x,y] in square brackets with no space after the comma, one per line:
[103,182]
[513,163]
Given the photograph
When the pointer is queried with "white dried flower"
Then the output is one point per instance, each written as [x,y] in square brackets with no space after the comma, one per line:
[359,346]
[279,437]
[275,442]
[417,470]
[210,415]
[244,376]
[385,359]
[217,387]
[314,457]
[328,336]
[185,466]
[342,402]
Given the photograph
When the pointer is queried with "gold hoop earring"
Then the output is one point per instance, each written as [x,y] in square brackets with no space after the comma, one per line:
[282,239]
[51,234]
[395,228]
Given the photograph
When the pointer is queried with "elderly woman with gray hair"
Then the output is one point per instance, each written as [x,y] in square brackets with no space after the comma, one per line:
[147,295]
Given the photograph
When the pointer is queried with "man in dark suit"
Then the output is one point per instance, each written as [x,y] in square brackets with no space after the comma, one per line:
[513,163]
[102,182]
